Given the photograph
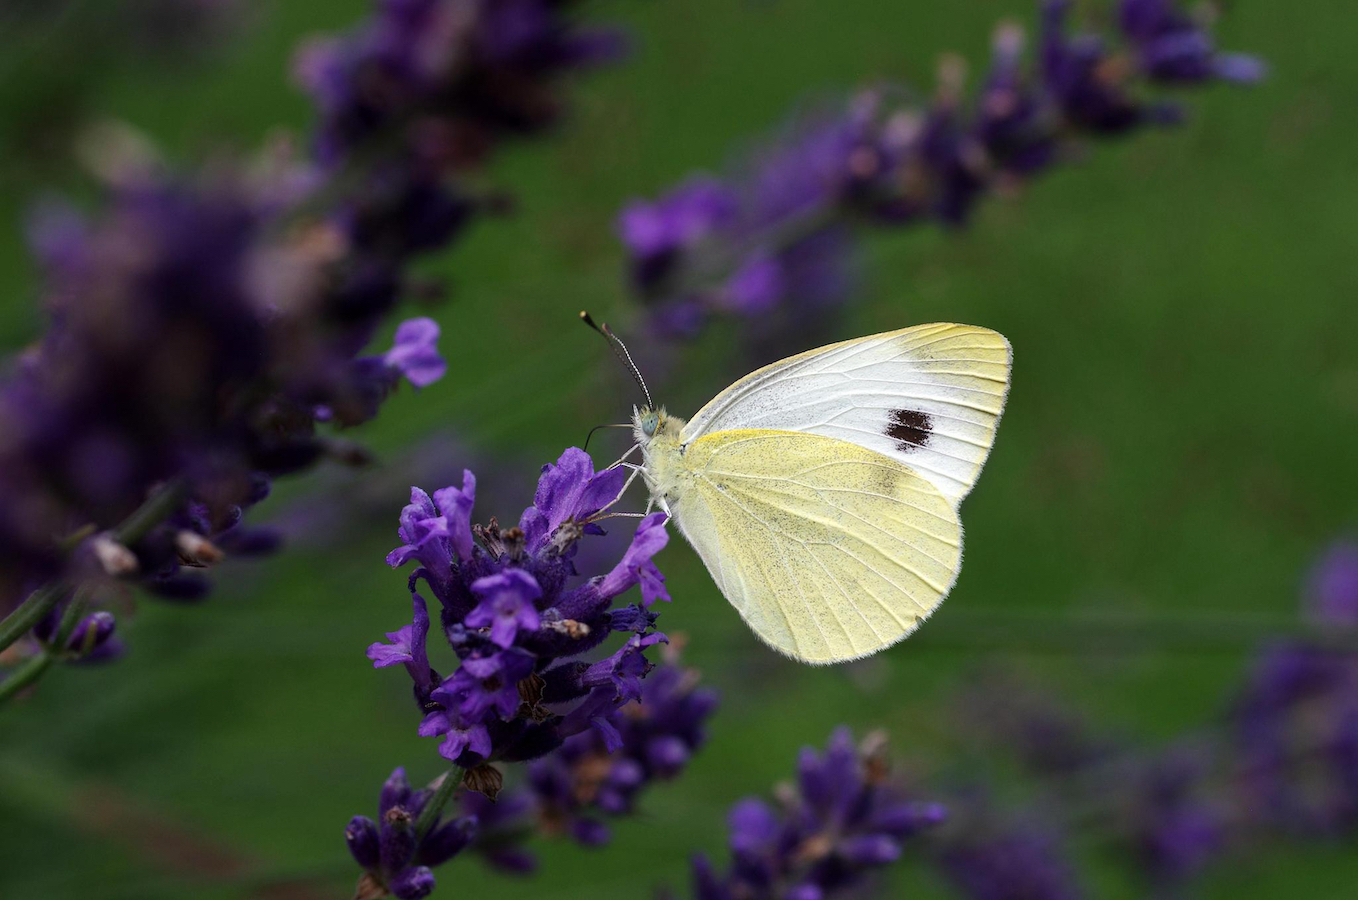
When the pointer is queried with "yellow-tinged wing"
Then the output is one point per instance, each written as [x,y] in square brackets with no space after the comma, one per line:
[928,396]
[828,550]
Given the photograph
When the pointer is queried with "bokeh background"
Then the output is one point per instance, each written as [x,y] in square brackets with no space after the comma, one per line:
[1177,448]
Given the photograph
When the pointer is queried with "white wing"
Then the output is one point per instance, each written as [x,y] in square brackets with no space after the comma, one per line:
[930,396]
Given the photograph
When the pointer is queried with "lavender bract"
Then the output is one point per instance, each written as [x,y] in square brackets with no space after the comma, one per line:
[776,236]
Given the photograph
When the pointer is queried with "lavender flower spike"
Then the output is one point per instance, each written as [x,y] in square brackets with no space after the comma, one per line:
[397,861]
[519,618]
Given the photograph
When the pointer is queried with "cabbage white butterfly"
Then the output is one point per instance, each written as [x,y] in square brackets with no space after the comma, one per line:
[822,491]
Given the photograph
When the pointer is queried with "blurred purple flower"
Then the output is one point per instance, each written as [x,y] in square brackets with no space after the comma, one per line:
[1177,823]
[995,860]
[1296,733]
[843,820]
[1171,47]
[415,352]
[1332,594]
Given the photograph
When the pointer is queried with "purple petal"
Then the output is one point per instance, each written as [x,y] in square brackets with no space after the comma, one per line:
[395,653]
[456,506]
[569,489]
[415,352]
[636,565]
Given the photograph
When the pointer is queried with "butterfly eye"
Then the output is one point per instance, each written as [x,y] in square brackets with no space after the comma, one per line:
[650,424]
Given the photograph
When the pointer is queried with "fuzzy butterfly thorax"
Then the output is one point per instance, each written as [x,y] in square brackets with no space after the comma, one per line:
[660,437]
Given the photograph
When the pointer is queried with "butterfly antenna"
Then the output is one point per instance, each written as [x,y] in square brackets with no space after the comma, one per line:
[596,428]
[620,351]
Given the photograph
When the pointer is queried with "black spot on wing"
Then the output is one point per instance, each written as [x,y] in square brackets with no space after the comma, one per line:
[909,428]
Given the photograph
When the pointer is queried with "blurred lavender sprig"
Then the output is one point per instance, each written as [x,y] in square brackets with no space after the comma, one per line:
[844,820]
[207,328]
[774,240]
[1282,762]
[516,617]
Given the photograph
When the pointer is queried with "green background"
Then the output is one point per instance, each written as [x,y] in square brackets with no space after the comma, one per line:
[1177,446]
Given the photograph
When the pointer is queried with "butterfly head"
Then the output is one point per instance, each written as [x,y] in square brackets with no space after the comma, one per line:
[647,423]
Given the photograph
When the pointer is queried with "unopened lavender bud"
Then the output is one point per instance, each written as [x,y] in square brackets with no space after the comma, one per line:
[412,884]
[447,840]
[397,843]
[361,836]
[91,632]
[113,557]
[196,549]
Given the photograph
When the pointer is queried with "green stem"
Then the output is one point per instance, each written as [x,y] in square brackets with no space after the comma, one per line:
[30,612]
[434,805]
[70,618]
[21,677]
[163,501]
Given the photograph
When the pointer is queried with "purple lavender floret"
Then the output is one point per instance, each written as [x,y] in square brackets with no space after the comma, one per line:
[843,820]
[597,774]
[1172,48]
[91,639]
[776,236]
[600,773]
[396,860]
[518,618]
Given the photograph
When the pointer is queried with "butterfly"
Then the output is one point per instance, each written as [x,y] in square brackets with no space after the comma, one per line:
[822,491]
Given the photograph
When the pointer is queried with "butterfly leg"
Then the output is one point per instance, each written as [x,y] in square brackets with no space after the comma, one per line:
[620,460]
[636,470]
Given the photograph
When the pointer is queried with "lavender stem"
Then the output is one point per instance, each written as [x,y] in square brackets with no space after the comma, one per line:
[28,614]
[24,675]
[434,806]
